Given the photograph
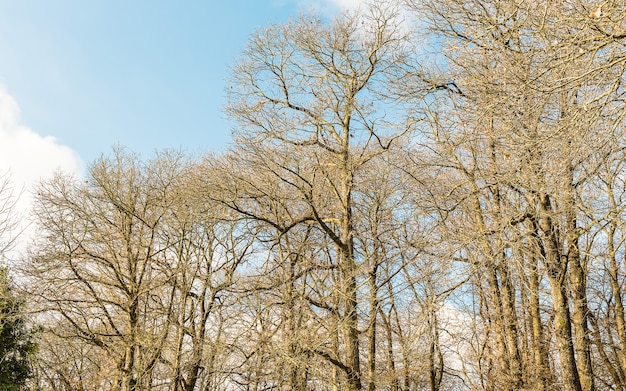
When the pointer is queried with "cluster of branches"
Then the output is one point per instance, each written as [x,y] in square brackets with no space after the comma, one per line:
[387,218]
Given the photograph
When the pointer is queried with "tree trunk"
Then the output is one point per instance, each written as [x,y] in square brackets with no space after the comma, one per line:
[557,272]
[540,352]
[371,351]
[578,281]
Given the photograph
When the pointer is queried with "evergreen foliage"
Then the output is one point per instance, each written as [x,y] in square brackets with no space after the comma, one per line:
[16,342]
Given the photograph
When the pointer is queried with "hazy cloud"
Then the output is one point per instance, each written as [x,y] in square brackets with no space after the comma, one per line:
[330,6]
[345,4]
[27,155]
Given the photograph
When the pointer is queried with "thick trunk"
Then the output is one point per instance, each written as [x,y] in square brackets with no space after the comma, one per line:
[349,268]
[618,306]
[540,353]
[580,322]
[563,333]
[557,271]
[129,382]
[578,281]
[497,322]
[494,314]
[511,329]
[351,332]
[435,357]
[509,315]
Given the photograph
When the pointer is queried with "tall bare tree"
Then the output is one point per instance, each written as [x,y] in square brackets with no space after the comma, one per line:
[311,99]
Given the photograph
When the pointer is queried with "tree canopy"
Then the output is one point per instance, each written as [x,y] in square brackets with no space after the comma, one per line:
[421,195]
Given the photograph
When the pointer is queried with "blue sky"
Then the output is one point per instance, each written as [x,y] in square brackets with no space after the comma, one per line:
[78,77]
[145,74]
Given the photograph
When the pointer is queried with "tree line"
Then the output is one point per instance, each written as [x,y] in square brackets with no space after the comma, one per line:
[426,195]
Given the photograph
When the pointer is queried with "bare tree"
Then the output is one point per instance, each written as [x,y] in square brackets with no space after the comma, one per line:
[131,272]
[526,115]
[319,92]
[9,216]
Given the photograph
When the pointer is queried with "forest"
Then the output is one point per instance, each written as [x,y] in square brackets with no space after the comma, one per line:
[419,195]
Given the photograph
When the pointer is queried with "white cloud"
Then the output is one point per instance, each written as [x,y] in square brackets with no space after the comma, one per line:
[346,4]
[405,18]
[330,7]
[29,156]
